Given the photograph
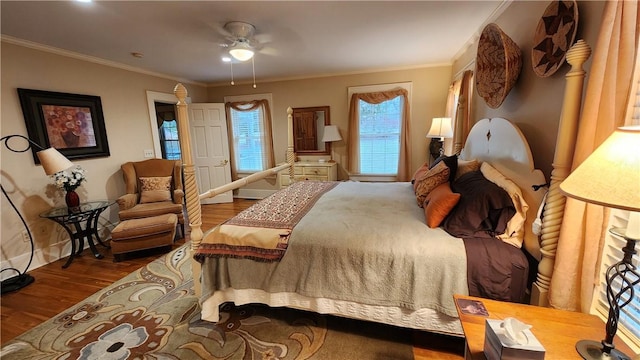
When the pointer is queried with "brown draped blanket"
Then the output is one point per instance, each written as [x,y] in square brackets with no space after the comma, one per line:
[262,231]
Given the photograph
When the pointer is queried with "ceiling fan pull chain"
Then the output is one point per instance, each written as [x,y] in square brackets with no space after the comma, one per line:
[231,63]
[253,65]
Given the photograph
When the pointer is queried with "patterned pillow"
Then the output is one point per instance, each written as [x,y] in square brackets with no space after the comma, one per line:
[431,179]
[439,203]
[419,174]
[452,164]
[155,189]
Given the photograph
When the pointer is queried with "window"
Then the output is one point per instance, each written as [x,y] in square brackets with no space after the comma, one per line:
[250,137]
[247,140]
[378,125]
[629,321]
[169,143]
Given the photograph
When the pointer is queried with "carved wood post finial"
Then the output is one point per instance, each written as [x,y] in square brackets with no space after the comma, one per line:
[192,195]
[563,157]
[291,156]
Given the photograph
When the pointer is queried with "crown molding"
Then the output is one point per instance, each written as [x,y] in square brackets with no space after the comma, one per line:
[96,60]
[476,36]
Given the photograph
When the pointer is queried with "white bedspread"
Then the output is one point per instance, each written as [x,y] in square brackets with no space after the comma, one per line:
[361,242]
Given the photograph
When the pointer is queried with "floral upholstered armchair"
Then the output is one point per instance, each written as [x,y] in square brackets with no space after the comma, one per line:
[153,187]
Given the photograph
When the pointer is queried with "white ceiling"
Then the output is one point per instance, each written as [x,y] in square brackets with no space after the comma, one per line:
[180,40]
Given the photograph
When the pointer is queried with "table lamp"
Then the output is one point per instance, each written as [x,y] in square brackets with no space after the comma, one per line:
[331,133]
[610,177]
[52,161]
[440,129]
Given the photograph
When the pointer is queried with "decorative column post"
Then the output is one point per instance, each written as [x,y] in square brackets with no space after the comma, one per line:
[563,157]
[291,156]
[194,211]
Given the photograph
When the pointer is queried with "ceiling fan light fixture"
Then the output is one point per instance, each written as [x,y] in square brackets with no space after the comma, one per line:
[241,52]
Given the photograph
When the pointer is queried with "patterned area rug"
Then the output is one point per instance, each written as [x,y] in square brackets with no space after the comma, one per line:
[153,313]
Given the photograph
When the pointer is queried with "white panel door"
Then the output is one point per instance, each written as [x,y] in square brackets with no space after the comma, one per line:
[208,126]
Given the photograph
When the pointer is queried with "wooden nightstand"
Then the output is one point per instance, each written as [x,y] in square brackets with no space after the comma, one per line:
[557,330]
[327,171]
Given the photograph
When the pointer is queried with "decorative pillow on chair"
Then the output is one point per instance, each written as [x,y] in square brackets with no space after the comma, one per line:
[155,189]
[431,179]
[439,203]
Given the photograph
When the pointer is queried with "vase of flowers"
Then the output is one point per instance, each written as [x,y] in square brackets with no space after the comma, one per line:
[70,181]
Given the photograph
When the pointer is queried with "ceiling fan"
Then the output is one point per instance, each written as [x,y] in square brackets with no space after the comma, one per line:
[241,39]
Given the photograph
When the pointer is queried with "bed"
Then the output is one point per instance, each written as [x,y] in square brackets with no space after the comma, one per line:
[496,142]
[400,272]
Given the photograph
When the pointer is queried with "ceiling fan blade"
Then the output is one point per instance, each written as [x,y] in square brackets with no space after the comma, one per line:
[263,38]
[220,29]
[269,51]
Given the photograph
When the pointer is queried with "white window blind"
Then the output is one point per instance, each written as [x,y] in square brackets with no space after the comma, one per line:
[169,143]
[629,322]
[380,126]
[249,136]
[247,140]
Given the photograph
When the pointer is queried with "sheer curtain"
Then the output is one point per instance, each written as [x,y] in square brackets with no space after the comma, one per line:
[268,160]
[451,111]
[584,225]
[404,161]
[463,114]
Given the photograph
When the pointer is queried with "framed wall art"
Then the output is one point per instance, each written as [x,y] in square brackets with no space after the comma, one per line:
[71,123]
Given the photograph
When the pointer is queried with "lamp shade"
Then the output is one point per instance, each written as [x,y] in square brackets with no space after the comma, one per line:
[610,176]
[53,161]
[440,128]
[241,52]
[331,133]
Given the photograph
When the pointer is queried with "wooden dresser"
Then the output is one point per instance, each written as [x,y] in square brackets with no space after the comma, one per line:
[310,170]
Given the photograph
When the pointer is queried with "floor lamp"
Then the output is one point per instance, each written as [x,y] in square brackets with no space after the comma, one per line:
[52,162]
[440,129]
[610,177]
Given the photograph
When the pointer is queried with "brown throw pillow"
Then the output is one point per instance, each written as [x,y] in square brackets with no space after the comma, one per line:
[155,189]
[437,175]
[439,203]
[466,166]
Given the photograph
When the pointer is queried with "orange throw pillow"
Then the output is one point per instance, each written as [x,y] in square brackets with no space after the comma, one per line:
[438,204]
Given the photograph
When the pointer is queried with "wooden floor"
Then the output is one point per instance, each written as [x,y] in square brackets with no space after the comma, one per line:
[56,289]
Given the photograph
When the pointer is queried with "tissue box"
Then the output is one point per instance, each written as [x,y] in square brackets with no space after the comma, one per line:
[496,348]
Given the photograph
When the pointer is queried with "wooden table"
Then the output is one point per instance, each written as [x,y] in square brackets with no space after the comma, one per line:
[557,330]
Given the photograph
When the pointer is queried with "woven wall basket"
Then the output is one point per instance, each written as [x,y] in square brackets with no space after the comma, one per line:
[498,65]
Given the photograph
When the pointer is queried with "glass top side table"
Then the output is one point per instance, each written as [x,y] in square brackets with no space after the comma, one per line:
[72,221]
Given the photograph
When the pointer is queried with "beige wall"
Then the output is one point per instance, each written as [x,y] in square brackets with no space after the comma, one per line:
[123,97]
[429,96]
[124,103]
[534,103]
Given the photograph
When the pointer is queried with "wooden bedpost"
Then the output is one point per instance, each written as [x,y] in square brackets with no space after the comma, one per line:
[563,157]
[291,156]
[194,213]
